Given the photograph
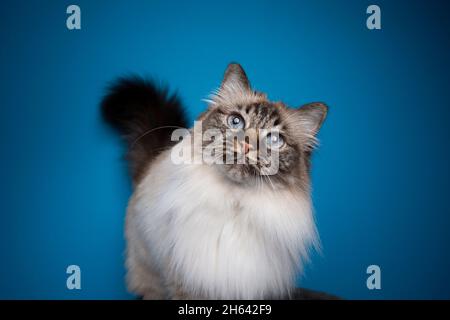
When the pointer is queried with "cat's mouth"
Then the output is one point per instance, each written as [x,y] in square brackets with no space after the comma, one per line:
[245,153]
[247,174]
[247,168]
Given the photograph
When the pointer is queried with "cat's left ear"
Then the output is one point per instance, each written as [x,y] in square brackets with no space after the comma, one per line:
[312,116]
[235,78]
[235,89]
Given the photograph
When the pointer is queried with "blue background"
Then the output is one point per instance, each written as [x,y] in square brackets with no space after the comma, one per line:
[381,176]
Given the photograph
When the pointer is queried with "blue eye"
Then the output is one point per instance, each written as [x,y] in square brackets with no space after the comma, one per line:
[274,141]
[236,122]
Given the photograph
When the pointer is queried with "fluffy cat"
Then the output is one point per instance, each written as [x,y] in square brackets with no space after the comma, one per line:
[216,230]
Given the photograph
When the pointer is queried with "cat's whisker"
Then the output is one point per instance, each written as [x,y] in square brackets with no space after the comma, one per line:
[266,175]
[150,131]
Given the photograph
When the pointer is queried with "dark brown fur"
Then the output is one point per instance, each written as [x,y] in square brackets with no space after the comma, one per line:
[145,115]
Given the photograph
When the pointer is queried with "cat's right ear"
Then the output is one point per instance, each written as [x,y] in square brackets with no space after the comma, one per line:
[307,120]
[235,78]
[312,116]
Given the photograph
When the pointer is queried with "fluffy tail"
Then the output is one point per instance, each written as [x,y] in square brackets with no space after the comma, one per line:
[145,115]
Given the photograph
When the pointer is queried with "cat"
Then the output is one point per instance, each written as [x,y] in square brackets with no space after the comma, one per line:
[216,230]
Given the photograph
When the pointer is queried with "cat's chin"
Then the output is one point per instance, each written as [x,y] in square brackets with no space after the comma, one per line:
[245,175]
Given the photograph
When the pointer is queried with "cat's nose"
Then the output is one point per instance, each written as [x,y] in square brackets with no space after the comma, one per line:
[246,147]
[249,143]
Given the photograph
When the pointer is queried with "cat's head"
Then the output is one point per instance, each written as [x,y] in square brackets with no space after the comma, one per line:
[261,141]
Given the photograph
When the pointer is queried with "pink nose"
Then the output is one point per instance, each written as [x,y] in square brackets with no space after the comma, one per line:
[246,147]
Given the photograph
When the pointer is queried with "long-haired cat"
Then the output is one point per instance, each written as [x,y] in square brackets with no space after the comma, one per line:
[216,229]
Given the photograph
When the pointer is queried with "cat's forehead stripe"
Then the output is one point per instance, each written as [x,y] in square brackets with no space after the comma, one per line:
[263,114]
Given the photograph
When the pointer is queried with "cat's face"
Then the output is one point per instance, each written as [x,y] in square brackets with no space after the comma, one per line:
[255,140]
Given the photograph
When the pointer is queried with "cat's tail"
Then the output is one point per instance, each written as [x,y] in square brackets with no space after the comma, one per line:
[145,115]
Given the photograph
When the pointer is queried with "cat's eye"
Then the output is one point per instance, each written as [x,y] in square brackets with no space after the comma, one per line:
[235,121]
[274,141]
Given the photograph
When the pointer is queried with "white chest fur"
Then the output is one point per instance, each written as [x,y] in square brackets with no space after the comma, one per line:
[222,240]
